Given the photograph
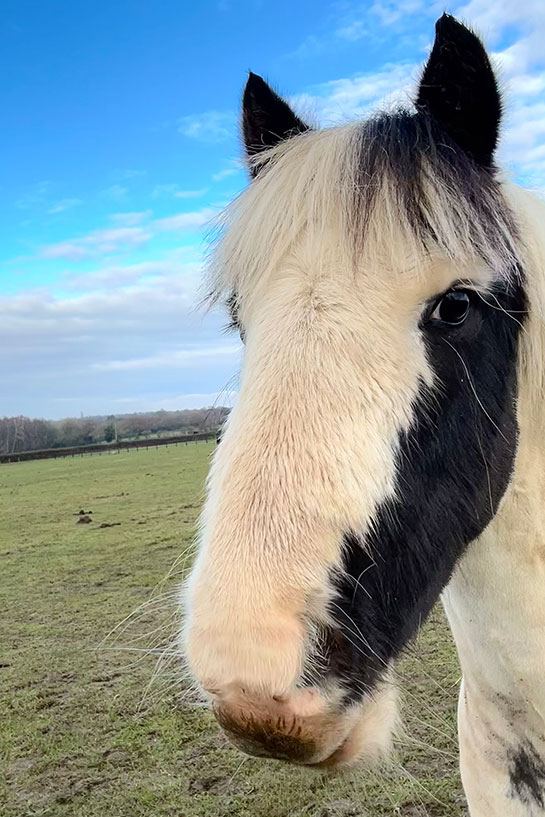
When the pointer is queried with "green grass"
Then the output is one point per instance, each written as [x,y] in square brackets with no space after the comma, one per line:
[78,735]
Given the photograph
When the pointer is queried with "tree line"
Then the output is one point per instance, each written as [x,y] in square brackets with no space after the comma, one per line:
[28,434]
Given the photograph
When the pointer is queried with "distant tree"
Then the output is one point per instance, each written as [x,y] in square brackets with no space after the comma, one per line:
[69,433]
[109,432]
[25,434]
[76,431]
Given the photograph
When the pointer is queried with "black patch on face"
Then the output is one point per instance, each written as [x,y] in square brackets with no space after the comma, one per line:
[453,468]
[527,775]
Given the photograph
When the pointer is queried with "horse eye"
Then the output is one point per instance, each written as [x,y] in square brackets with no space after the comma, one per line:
[452,309]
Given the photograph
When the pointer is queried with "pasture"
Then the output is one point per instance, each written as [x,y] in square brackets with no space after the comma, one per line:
[82,730]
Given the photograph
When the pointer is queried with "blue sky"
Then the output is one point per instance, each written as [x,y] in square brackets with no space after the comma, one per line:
[120,144]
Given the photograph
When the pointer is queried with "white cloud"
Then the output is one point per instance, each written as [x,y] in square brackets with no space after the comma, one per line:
[521,69]
[491,19]
[349,98]
[94,348]
[173,190]
[526,84]
[64,204]
[226,397]
[168,401]
[129,174]
[97,242]
[131,231]
[223,174]
[389,12]
[520,65]
[64,249]
[131,327]
[130,219]
[116,238]
[211,126]
[171,358]
[190,194]
[123,275]
[350,22]
[311,46]
[39,197]
[163,190]
[353,31]
[185,222]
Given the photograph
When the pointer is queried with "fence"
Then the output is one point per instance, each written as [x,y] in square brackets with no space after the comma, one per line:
[99,448]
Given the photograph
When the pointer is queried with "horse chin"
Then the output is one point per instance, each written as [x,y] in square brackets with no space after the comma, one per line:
[371,735]
[303,732]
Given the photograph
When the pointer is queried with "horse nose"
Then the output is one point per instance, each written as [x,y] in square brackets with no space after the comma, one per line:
[274,738]
[282,728]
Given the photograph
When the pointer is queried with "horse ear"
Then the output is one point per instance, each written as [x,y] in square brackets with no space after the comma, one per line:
[266,118]
[459,90]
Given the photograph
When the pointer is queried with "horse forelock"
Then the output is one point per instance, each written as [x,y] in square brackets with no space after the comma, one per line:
[388,194]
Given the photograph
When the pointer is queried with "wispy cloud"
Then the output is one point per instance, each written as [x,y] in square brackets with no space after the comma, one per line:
[186,221]
[64,204]
[194,356]
[121,175]
[352,31]
[131,231]
[173,190]
[163,190]
[491,19]
[124,275]
[223,174]
[350,22]
[130,219]
[352,97]
[39,198]
[190,194]
[390,12]
[116,192]
[210,126]
[35,197]
[93,347]
[521,67]
[130,321]
[98,242]
[68,250]
[156,401]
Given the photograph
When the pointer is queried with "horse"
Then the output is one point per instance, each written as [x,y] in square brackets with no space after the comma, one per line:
[386,447]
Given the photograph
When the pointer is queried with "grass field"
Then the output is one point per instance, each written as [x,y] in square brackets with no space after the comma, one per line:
[79,734]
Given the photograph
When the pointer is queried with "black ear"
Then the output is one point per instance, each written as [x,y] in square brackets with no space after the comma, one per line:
[459,90]
[266,118]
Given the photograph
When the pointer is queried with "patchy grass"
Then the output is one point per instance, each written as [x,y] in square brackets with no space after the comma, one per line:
[78,734]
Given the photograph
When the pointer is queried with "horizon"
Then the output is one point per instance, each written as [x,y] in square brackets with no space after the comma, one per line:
[118,416]
[121,145]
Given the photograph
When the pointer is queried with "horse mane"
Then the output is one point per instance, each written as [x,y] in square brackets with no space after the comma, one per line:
[380,192]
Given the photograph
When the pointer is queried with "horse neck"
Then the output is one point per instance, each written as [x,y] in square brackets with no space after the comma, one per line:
[495,603]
